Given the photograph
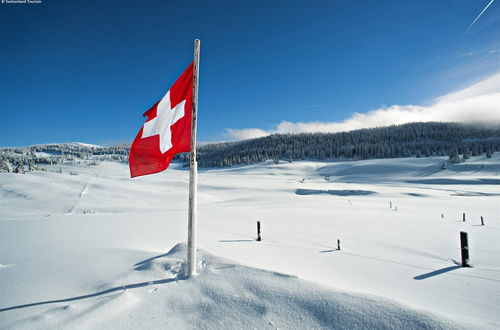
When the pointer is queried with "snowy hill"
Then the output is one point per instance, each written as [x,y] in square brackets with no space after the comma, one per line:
[406,140]
[87,247]
[459,141]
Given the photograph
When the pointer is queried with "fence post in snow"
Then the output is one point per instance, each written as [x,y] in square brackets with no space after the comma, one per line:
[482,221]
[338,244]
[390,205]
[442,216]
[464,246]
[463,217]
[258,231]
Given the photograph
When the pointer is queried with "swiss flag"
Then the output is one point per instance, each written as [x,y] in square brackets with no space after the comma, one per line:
[167,130]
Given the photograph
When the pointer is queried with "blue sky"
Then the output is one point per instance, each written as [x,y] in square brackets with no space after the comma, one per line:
[87,70]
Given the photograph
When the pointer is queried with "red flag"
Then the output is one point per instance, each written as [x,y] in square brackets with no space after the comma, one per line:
[167,130]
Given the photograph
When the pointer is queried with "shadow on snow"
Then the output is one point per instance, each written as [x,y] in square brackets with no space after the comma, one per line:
[121,288]
[436,272]
[334,192]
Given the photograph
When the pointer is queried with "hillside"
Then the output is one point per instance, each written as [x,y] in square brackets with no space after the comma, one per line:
[455,140]
[408,140]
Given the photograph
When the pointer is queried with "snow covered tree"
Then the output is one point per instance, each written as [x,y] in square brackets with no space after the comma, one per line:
[466,154]
[31,166]
[5,166]
[19,168]
[454,156]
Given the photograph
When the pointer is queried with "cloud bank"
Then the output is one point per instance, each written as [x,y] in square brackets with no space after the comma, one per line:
[479,103]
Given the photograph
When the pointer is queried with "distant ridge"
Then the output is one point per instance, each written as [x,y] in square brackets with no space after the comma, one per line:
[407,140]
[68,143]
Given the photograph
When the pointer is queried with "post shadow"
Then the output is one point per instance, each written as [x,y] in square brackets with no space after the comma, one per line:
[96,294]
[327,251]
[141,265]
[436,272]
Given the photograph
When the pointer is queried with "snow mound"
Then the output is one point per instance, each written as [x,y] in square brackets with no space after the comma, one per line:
[223,295]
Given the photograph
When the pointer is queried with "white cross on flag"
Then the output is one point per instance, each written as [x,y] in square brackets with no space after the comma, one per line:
[167,130]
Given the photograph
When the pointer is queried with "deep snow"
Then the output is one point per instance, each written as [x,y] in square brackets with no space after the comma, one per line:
[71,242]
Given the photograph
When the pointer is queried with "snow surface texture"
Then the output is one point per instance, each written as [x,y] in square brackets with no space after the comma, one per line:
[223,295]
[90,248]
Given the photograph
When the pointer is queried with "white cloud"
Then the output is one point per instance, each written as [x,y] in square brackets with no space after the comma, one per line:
[490,85]
[246,133]
[479,102]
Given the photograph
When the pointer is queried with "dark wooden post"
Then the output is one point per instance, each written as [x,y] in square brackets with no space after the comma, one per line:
[442,216]
[464,217]
[258,231]
[482,221]
[338,244]
[464,245]
[390,205]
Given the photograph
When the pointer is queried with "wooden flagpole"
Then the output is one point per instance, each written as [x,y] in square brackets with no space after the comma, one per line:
[193,169]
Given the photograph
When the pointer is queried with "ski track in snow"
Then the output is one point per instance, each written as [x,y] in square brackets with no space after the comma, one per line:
[83,191]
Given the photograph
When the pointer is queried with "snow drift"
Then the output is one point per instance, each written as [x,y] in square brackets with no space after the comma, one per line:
[223,295]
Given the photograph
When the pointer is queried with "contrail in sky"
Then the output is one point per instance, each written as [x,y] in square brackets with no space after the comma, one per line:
[489,4]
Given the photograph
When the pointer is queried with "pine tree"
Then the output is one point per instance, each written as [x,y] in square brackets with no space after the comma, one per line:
[19,168]
[31,166]
[5,166]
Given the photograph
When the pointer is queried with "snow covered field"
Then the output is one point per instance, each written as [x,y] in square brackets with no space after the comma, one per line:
[92,248]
